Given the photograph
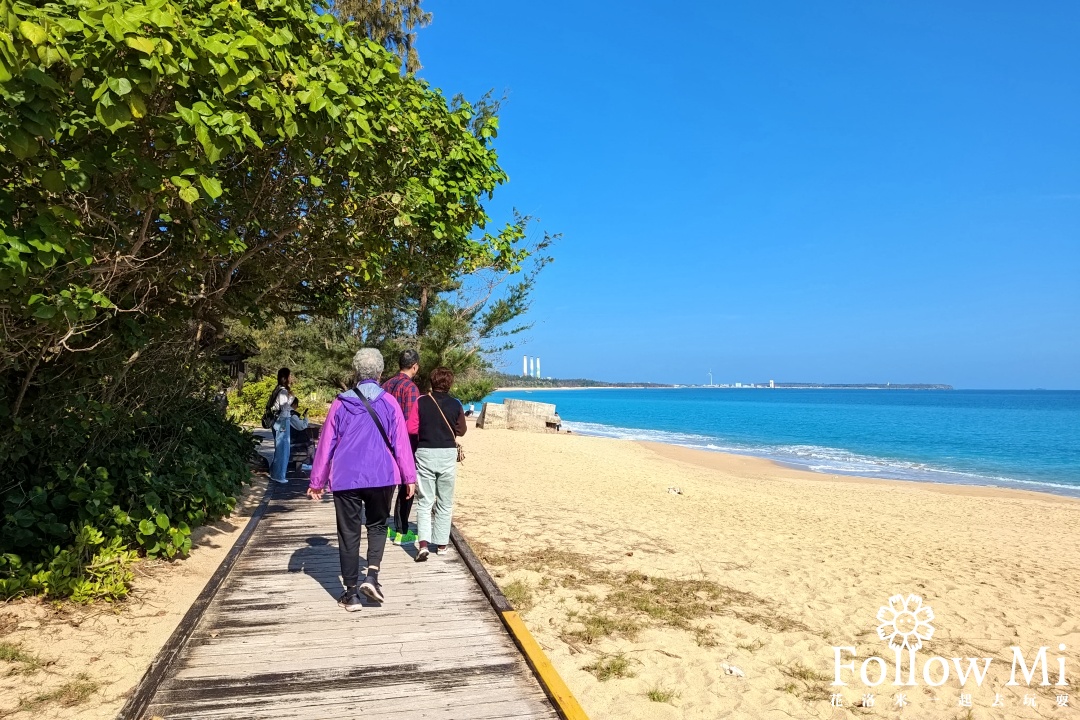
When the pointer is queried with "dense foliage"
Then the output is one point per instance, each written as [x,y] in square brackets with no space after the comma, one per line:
[101,482]
[170,170]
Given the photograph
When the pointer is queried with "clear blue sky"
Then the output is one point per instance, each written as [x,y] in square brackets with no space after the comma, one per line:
[802,191]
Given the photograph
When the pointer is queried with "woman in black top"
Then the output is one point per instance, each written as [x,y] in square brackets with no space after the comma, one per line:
[442,421]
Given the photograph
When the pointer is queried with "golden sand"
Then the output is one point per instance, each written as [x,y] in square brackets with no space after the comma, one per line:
[88,659]
[766,568]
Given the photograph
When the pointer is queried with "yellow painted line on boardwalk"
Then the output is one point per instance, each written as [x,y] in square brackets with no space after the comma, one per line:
[564,700]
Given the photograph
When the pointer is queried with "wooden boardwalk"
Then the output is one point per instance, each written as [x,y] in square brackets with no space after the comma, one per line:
[273,642]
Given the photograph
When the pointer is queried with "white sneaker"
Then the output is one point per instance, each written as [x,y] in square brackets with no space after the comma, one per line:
[283,481]
[421,554]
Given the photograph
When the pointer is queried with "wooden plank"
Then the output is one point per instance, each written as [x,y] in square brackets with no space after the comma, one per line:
[459,706]
[162,663]
[254,696]
[274,644]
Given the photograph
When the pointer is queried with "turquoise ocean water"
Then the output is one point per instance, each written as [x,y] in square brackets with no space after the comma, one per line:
[1019,439]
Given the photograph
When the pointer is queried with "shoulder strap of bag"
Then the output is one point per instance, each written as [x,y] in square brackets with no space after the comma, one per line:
[443,414]
[273,398]
[378,422]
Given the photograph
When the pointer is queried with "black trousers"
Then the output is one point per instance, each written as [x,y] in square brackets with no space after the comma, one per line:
[350,506]
[402,510]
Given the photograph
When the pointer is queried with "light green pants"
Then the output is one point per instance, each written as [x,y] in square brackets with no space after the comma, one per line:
[436,470]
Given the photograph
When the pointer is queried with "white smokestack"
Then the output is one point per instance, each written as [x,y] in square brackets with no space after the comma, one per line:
[525,365]
[537,367]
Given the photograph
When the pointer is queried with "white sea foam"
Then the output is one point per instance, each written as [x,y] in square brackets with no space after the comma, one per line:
[824,459]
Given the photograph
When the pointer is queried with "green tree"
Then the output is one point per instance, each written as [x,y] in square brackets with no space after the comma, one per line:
[172,165]
[170,169]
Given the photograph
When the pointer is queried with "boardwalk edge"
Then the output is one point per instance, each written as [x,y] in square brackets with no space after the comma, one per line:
[556,689]
[139,701]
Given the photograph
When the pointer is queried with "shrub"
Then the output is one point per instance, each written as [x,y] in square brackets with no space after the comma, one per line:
[246,407]
[473,390]
[95,487]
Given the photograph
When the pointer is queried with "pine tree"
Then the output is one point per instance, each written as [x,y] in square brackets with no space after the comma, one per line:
[391,23]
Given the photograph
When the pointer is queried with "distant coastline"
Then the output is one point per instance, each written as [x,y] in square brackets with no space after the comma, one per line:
[506,381]
[775,386]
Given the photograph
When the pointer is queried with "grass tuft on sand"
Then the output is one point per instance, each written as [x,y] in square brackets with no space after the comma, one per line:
[26,662]
[592,626]
[805,682]
[520,594]
[624,603]
[661,694]
[69,694]
[607,667]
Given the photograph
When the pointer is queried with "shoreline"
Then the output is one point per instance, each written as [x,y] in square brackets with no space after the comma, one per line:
[715,459]
[646,569]
[1060,489]
[517,388]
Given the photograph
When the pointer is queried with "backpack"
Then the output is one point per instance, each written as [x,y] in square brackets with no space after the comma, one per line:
[268,416]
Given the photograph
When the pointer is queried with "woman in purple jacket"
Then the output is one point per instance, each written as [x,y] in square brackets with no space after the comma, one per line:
[363,454]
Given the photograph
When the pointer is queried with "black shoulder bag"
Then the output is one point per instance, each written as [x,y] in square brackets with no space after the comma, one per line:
[268,416]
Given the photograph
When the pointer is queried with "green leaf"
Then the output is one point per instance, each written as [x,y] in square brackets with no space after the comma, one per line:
[33,32]
[315,182]
[161,19]
[45,312]
[53,181]
[146,527]
[142,44]
[113,27]
[162,520]
[22,144]
[70,25]
[211,186]
[37,76]
[189,115]
[136,106]
[375,76]
[189,194]
[49,55]
[113,117]
[120,86]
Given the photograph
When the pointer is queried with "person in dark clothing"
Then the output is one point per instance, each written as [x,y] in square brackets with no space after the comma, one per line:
[442,421]
[404,390]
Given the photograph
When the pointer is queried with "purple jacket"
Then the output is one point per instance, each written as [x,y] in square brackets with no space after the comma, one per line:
[351,452]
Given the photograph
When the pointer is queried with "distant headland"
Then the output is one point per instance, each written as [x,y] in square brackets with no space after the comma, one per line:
[504,381]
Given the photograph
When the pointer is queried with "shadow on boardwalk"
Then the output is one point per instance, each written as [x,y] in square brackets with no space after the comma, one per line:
[273,643]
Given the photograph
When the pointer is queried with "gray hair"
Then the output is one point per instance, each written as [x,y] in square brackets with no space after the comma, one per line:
[368,364]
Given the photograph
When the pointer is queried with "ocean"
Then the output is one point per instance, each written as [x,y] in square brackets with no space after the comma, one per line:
[1018,439]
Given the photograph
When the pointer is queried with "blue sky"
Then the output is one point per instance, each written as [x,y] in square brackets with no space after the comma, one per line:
[836,191]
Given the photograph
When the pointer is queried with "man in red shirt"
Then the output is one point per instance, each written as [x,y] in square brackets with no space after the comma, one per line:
[404,390]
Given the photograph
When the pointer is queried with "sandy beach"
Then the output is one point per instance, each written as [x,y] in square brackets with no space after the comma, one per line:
[80,662]
[641,595]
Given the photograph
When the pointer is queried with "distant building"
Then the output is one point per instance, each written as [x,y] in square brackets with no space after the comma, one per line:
[738,385]
[772,383]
